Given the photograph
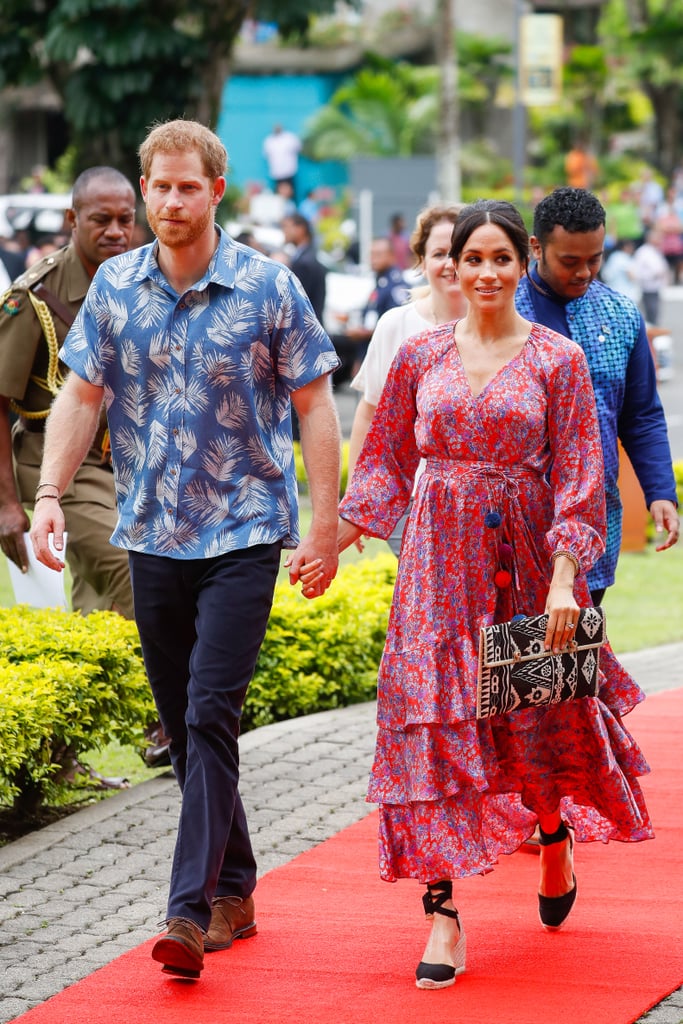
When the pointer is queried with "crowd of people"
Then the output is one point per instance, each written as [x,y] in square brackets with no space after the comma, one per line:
[485,445]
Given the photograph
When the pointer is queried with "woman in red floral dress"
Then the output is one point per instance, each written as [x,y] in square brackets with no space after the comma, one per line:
[503,412]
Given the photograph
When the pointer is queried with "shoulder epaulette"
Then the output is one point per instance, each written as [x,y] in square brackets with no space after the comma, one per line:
[37,272]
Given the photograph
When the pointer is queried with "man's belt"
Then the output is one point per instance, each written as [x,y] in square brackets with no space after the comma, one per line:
[100,444]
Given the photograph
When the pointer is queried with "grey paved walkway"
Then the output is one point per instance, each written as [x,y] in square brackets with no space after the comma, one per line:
[79,893]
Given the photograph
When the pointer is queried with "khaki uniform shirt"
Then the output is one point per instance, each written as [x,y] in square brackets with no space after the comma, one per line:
[24,351]
[99,571]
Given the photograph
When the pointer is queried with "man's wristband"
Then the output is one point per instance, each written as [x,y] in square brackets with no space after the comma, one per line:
[39,497]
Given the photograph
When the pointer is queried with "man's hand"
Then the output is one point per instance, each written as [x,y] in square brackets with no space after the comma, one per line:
[665,517]
[48,519]
[14,523]
[314,563]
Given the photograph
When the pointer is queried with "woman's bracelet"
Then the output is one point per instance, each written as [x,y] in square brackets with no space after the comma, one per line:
[572,558]
[40,487]
[39,497]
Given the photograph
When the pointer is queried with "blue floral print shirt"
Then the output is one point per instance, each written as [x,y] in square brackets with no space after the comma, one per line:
[197,389]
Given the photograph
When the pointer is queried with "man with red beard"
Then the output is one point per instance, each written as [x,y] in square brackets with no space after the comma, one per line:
[200,347]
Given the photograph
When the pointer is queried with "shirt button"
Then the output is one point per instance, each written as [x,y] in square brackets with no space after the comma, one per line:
[173,472]
[175,430]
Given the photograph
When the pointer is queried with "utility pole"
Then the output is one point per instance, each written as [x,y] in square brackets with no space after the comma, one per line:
[519,112]
[448,141]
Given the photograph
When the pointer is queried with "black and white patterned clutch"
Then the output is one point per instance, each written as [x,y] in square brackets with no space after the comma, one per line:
[516,673]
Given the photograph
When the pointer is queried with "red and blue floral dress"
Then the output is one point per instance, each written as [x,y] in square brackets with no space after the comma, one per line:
[512,475]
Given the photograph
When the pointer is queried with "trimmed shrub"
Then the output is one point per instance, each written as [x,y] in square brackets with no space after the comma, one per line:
[68,684]
[325,653]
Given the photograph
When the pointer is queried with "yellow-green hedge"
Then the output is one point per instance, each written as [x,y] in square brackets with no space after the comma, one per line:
[324,653]
[68,682]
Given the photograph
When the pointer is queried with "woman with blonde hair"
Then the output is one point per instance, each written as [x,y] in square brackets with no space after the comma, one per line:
[439,302]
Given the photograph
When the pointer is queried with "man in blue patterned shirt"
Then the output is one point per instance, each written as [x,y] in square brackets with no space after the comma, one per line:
[562,291]
[198,345]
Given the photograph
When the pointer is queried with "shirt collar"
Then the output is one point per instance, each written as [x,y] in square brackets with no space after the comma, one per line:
[538,284]
[222,269]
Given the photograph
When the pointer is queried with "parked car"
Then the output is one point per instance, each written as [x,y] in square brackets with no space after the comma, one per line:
[38,213]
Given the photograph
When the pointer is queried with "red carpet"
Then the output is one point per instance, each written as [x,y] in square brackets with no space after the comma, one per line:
[337,946]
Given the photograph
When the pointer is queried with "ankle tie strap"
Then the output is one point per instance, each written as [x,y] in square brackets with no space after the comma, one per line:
[437,894]
[549,839]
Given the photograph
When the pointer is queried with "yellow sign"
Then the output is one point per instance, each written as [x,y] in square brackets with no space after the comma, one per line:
[540,57]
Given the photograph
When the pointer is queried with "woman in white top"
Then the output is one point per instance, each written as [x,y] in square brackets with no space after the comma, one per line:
[440,303]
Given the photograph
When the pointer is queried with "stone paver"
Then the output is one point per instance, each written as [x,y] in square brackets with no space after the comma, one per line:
[80,892]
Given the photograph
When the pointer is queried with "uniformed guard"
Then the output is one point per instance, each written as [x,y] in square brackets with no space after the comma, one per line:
[35,315]
[390,290]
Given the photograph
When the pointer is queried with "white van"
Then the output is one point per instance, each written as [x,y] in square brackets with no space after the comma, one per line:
[38,212]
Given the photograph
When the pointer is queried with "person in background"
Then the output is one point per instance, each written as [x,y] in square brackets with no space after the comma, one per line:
[562,291]
[390,290]
[651,271]
[617,271]
[440,303]
[650,195]
[400,241]
[304,260]
[580,166]
[284,190]
[503,413]
[200,345]
[281,149]
[622,219]
[35,183]
[309,207]
[669,226]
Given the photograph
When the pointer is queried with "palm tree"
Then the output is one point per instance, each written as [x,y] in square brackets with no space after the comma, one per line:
[393,109]
[379,112]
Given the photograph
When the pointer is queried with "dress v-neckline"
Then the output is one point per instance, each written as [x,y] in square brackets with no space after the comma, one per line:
[499,372]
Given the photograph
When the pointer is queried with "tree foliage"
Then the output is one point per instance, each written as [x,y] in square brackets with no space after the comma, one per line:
[120,65]
[643,40]
[391,108]
[378,112]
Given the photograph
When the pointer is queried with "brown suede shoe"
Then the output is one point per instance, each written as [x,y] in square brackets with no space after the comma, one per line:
[231,918]
[181,949]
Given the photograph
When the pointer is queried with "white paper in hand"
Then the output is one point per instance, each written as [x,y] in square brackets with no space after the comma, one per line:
[40,587]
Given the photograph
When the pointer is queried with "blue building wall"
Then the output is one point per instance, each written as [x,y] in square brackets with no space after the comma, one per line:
[251,105]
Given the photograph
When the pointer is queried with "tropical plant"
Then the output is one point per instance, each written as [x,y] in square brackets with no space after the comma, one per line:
[391,108]
[643,40]
[380,111]
[120,65]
